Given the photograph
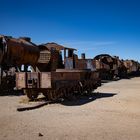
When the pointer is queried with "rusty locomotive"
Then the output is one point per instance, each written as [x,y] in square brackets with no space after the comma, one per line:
[55,70]
[132,67]
[55,77]
[111,67]
[50,73]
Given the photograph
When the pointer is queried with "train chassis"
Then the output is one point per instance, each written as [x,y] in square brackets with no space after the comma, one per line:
[67,90]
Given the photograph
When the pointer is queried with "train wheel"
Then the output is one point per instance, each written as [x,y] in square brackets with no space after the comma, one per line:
[70,94]
[64,92]
[52,95]
[59,93]
[31,94]
[46,95]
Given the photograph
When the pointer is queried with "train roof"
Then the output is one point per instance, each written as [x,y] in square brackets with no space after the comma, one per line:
[56,46]
[101,55]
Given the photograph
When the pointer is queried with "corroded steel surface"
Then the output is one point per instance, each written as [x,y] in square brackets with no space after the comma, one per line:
[20,51]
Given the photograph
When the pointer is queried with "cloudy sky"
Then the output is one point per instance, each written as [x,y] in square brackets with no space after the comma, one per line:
[91,26]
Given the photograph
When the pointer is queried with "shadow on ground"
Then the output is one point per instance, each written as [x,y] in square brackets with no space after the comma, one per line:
[81,100]
[10,93]
[77,101]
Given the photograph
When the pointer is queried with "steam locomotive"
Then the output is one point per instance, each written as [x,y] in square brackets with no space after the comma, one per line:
[51,73]
[112,67]
[58,76]
[55,70]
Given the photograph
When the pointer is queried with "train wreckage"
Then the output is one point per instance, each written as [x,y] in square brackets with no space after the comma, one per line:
[55,70]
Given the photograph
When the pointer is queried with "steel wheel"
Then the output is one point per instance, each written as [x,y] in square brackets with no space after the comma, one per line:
[31,94]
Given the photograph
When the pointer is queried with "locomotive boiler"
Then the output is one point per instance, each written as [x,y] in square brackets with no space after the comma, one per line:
[16,52]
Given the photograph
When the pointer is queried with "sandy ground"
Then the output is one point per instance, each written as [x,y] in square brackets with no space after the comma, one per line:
[112,114]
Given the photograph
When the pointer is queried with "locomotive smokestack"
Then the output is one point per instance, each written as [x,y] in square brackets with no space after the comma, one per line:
[83,56]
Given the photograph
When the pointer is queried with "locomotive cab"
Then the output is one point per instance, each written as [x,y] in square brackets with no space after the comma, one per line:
[69,58]
[54,56]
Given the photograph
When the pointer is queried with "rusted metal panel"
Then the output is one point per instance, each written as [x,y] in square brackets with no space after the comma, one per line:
[20,80]
[68,63]
[72,70]
[90,65]
[95,75]
[115,66]
[1,56]
[85,64]
[109,59]
[97,64]
[32,80]
[101,65]
[55,46]
[80,64]
[134,68]
[25,38]
[44,57]
[45,80]
[131,65]
[20,51]
[65,76]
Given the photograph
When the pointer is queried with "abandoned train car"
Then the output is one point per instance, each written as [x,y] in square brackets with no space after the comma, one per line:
[57,78]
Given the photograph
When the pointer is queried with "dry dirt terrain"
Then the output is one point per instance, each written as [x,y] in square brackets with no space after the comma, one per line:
[111,114]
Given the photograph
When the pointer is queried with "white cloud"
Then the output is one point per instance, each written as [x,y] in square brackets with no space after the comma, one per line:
[87,45]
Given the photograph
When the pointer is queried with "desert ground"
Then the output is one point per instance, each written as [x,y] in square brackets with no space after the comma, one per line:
[111,113]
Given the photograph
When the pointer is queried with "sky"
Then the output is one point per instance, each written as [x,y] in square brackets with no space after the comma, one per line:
[91,26]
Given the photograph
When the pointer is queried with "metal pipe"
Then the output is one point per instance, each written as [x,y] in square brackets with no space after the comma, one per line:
[83,56]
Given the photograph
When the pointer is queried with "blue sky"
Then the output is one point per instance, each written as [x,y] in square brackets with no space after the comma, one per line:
[91,26]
